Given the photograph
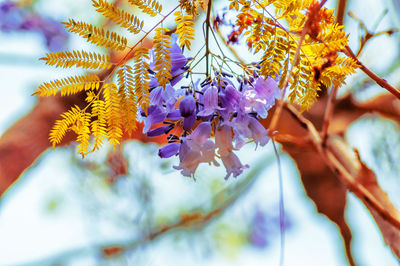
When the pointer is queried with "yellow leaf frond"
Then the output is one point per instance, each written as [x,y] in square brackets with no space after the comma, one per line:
[83,132]
[285,8]
[113,113]
[69,85]
[96,35]
[184,29]
[162,60]
[82,59]
[150,7]
[121,17]
[61,126]
[141,77]
[128,97]
[99,124]
[190,7]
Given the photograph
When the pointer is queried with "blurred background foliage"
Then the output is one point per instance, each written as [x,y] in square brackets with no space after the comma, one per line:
[127,207]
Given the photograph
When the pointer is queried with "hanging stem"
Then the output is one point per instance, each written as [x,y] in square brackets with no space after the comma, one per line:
[207,33]
[281,207]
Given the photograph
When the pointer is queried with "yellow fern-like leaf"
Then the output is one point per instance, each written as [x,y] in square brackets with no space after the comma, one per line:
[184,29]
[128,97]
[82,59]
[83,132]
[150,7]
[347,64]
[286,8]
[124,19]
[162,58]
[317,60]
[304,89]
[190,6]
[141,77]
[296,21]
[69,85]
[337,73]
[113,113]
[61,126]
[96,35]
[274,56]
[309,97]
[333,36]
[98,125]
[234,5]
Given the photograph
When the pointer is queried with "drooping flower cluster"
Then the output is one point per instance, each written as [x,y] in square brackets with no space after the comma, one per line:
[191,115]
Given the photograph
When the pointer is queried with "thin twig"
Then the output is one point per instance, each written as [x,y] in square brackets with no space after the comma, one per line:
[281,207]
[207,33]
[341,9]
[240,62]
[380,81]
[293,64]
[277,113]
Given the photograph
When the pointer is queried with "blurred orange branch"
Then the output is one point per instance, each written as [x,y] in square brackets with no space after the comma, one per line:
[380,81]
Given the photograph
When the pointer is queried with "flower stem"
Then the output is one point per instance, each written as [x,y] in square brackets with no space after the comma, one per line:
[207,33]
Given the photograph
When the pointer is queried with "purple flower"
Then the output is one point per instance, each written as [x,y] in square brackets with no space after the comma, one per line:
[169,150]
[178,60]
[160,131]
[268,89]
[259,230]
[200,135]
[187,108]
[163,96]
[264,226]
[230,99]
[233,165]
[16,18]
[155,115]
[174,115]
[195,149]
[210,101]
[240,125]
[11,17]
[223,139]
[233,114]
[189,159]
[258,132]
[6,7]
[261,97]
[190,156]
[153,81]
[188,122]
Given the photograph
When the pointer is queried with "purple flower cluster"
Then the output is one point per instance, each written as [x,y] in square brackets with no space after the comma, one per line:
[215,107]
[15,18]
[264,226]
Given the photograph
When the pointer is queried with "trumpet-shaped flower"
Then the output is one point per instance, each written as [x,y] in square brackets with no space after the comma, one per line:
[195,149]
[218,107]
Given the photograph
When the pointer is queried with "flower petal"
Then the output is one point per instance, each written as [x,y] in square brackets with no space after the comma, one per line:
[169,150]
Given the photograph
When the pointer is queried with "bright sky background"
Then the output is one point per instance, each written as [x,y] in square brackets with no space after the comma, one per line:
[29,233]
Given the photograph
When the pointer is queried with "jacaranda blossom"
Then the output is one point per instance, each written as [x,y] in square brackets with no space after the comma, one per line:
[209,120]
